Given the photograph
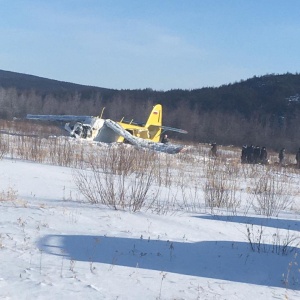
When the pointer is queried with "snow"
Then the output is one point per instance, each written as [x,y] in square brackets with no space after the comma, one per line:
[55,245]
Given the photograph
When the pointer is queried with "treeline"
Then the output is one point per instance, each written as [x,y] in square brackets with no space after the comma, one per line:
[261,111]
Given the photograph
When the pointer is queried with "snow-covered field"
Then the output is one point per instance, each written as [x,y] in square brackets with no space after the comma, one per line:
[56,245]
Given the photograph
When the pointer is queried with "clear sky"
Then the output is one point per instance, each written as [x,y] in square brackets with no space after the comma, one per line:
[158,44]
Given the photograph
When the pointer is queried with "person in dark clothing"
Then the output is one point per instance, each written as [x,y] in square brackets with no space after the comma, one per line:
[298,158]
[263,156]
[213,149]
[244,154]
[250,156]
[165,139]
[256,154]
[281,156]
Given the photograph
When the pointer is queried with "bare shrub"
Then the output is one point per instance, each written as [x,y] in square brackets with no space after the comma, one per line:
[58,151]
[119,188]
[164,170]
[62,152]
[120,160]
[220,186]
[4,145]
[271,193]
[140,186]
[164,203]
[290,277]
[216,190]
[249,171]
[191,198]
[29,148]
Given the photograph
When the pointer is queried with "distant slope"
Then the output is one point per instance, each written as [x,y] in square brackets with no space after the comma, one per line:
[275,94]
[45,85]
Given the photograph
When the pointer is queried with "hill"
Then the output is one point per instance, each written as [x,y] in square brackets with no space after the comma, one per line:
[251,111]
[44,85]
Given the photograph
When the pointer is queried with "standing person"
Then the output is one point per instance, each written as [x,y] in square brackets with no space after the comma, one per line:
[250,154]
[213,149]
[256,154]
[263,156]
[298,158]
[281,156]
[244,154]
[165,139]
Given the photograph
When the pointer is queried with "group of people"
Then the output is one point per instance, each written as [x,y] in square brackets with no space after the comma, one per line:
[254,155]
[257,155]
[251,154]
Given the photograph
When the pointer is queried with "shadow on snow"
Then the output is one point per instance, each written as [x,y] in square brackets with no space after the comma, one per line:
[225,260]
[268,222]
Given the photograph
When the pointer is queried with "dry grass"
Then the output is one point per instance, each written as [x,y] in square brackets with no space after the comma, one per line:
[190,181]
[9,195]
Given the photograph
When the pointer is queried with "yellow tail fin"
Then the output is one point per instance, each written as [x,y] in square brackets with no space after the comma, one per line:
[154,123]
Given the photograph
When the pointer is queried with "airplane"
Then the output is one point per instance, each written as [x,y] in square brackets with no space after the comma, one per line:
[146,135]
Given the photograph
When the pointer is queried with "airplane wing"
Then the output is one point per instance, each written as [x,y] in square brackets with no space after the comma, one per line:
[59,118]
[167,148]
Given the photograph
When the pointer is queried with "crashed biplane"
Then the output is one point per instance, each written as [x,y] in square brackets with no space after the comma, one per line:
[145,135]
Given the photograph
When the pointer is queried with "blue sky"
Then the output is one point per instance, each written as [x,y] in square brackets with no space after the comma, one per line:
[158,44]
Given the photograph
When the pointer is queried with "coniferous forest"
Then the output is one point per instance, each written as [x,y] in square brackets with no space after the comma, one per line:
[261,111]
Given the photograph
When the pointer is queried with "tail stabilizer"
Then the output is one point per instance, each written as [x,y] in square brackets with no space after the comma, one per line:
[155,117]
[154,123]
